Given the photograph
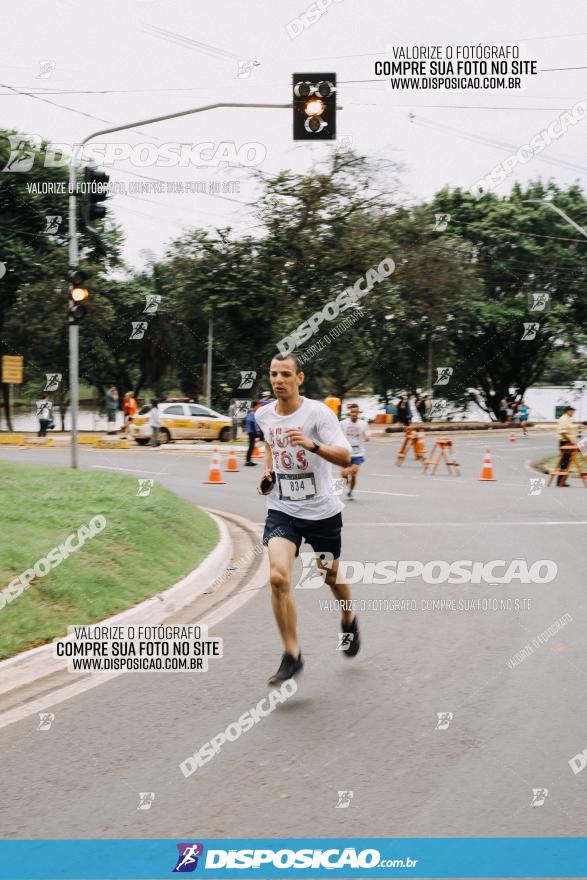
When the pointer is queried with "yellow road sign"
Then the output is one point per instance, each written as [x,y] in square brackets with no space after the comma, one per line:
[12,369]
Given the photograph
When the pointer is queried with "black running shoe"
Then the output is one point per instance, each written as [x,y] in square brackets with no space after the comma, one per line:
[288,668]
[355,642]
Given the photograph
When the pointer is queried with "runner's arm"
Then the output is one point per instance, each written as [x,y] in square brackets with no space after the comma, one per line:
[338,455]
[268,461]
[268,458]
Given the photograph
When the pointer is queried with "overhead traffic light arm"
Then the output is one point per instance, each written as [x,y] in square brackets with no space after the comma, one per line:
[73,247]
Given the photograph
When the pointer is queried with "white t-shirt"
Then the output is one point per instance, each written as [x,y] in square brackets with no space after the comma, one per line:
[44,410]
[304,485]
[355,432]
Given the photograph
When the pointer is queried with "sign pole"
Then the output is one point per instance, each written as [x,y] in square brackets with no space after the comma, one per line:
[12,374]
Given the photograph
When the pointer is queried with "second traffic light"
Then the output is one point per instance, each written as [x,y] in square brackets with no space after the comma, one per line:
[95,190]
[314,106]
[78,296]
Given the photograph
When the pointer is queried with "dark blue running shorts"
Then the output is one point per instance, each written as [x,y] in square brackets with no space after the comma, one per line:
[323,535]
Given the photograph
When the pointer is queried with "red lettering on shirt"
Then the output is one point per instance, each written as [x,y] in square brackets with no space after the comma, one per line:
[302,460]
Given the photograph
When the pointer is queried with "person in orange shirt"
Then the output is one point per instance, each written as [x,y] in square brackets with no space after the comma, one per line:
[334,403]
[130,409]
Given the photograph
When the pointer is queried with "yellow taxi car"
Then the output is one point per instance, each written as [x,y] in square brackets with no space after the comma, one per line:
[182,421]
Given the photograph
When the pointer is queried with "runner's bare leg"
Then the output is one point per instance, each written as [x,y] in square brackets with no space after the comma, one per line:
[282,554]
[340,591]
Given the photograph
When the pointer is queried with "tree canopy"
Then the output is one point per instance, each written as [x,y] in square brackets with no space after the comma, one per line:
[461,294]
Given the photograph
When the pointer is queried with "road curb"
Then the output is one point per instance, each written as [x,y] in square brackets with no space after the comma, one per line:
[38,663]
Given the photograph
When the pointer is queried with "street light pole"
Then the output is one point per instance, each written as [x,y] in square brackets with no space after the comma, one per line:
[209,362]
[74,254]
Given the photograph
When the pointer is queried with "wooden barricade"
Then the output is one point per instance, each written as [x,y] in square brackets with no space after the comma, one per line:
[410,439]
[559,471]
[442,451]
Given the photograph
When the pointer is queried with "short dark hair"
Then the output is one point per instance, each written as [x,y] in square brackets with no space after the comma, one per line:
[290,356]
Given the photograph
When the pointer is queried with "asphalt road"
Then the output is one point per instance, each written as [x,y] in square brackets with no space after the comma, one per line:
[369,725]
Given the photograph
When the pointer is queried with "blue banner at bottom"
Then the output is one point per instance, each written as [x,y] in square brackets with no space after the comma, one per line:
[293,857]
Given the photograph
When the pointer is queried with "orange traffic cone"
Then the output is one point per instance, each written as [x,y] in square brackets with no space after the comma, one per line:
[421,444]
[512,438]
[487,469]
[257,451]
[214,474]
[232,462]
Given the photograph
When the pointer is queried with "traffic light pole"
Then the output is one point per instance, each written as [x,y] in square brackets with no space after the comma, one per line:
[73,327]
[73,247]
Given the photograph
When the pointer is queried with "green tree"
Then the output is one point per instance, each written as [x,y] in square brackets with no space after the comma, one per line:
[516,250]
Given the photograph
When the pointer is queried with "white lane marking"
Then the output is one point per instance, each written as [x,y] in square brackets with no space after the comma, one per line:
[107,467]
[374,492]
[465,485]
[383,475]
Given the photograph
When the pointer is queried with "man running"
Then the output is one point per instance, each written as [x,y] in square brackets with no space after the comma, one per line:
[356,431]
[303,439]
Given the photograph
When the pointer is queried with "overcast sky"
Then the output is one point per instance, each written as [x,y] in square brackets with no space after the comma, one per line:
[153,57]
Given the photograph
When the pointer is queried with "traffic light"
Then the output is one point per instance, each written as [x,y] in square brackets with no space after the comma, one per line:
[314,106]
[94,191]
[78,296]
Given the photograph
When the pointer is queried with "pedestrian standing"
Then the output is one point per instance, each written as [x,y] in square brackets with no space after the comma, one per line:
[403,411]
[154,422]
[129,406]
[421,407]
[111,404]
[567,434]
[414,415]
[251,429]
[334,403]
[44,414]
[428,408]
[233,411]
